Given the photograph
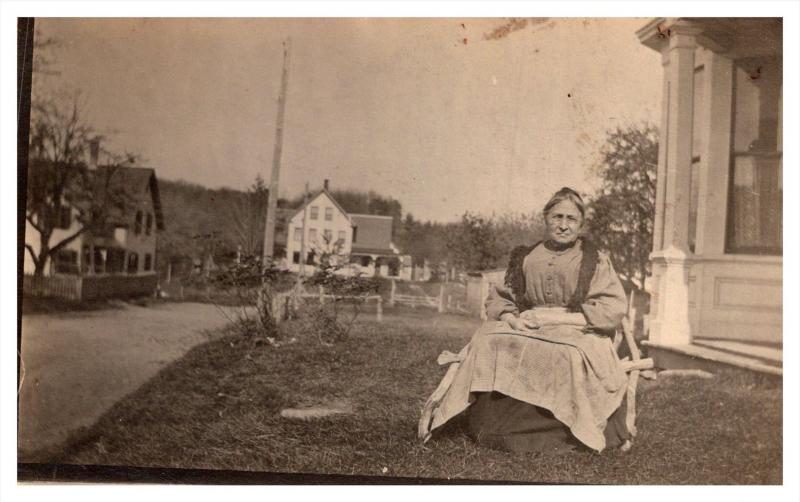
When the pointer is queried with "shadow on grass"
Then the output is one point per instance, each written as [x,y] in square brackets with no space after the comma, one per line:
[219,408]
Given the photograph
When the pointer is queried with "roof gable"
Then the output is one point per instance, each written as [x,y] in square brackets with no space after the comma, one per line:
[136,182]
[315,197]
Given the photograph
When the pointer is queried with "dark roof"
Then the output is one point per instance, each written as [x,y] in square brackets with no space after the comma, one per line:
[134,182]
[374,234]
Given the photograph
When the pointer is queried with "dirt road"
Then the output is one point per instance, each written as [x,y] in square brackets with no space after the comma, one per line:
[77,365]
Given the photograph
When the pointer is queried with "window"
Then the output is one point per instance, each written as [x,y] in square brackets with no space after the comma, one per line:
[355,234]
[133,263]
[66,262]
[755,209]
[149,226]
[327,235]
[115,263]
[296,257]
[86,258]
[298,234]
[312,234]
[342,236]
[328,214]
[314,212]
[310,258]
[137,227]
[148,262]
[99,260]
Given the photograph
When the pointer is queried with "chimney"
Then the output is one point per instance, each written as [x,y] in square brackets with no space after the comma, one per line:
[326,184]
[94,153]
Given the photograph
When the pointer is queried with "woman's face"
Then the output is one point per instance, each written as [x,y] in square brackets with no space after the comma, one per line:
[564,222]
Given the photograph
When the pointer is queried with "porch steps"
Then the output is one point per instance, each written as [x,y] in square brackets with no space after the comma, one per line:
[708,354]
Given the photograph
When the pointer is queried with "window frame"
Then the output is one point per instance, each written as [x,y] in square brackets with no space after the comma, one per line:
[777,153]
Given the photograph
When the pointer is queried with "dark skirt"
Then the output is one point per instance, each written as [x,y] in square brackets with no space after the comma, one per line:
[499,421]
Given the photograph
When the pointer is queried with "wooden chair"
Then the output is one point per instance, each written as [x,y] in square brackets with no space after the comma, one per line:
[633,366]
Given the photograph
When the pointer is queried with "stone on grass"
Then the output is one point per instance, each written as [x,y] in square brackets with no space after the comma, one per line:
[321,410]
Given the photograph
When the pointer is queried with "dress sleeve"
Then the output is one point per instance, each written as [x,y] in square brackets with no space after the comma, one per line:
[499,302]
[606,304]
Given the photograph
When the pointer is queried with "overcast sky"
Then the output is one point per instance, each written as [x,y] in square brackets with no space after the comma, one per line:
[438,113]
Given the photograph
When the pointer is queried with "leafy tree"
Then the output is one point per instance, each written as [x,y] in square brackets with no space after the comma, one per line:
[621,213]
[423,240]
[472,244]
[516,229]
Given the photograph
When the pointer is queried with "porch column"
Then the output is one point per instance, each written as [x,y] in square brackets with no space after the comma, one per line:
[670,321]
[713,190]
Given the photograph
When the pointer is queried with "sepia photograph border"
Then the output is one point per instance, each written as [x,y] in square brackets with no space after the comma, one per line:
[10,474]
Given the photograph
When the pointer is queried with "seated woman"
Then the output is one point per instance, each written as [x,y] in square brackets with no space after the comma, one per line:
[542,373]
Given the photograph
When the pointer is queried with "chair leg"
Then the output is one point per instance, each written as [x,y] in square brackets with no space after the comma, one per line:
[630,417]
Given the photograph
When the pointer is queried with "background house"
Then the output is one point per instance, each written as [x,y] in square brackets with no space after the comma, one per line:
[327,228]
[116,261]
[717,251]
[323,226]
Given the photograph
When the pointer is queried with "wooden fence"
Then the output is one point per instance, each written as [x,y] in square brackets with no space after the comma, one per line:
[60,286]
[286,302]
[77,288]
[445,301]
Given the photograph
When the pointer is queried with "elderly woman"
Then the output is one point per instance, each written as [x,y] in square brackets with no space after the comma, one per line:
[542,373]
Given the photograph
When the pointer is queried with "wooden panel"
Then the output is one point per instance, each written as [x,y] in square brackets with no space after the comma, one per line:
[748,294]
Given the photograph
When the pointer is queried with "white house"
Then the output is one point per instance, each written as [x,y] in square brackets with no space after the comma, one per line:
[717,251]
[323,227]
[363,239]
[118,261]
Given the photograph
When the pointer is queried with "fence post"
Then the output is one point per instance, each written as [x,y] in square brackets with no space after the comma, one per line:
[441,298]
[277,307]
[391,295]
[379,309]
[321,293]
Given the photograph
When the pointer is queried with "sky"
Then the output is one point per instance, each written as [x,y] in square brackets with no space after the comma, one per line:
[446,115]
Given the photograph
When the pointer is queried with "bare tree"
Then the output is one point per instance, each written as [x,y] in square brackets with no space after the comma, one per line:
[247,216]
[60,184]
[65,197]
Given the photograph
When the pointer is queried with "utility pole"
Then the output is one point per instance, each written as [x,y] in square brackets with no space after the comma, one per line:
[272,204]
[303,236]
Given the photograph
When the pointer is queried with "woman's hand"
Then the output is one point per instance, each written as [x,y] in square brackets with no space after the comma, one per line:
[520,324]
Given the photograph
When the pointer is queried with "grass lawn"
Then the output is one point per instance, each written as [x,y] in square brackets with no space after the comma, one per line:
[218,408]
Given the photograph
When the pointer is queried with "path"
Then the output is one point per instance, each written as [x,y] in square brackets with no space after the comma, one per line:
[77,365]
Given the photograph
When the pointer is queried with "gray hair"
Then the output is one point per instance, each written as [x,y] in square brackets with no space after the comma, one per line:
[569,194]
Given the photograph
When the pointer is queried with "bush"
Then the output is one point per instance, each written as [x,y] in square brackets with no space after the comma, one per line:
[253,285]
[332,319]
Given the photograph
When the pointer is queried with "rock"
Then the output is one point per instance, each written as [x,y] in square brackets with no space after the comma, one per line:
[317,411]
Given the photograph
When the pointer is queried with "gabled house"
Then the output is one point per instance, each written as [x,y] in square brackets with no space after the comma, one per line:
[118,260]
[324,227]
[321,226]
